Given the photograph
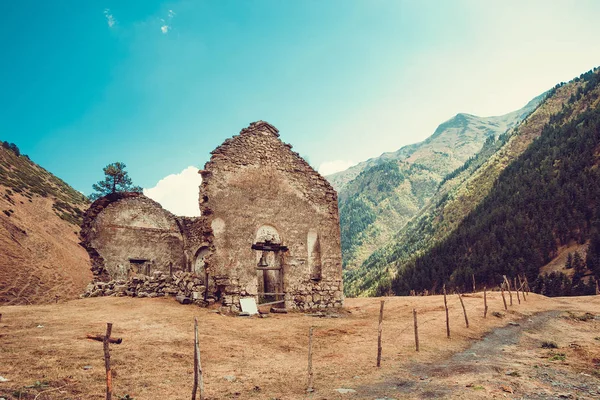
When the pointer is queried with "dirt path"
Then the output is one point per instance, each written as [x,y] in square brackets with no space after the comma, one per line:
[505,363]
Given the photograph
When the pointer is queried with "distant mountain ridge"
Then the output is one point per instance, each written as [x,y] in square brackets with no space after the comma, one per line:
[379,196]
[461,122]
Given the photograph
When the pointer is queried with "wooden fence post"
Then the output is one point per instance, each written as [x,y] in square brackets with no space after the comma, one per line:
[522,287]
[447,318]
[198,378]
[379,330]
[517,289]
[310,370]
[473,276]
[416,330]
[107,361]
[464,309]
[485,306]
[503,298]
[508,287]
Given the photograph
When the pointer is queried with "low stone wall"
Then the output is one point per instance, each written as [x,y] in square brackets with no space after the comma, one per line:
[158,284]
[315,296]
[308,297]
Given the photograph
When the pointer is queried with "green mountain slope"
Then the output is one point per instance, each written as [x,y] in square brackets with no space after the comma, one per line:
[389,190]
[546,198]
[461,193]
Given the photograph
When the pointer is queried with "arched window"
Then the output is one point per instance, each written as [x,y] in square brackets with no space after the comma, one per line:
[314,254]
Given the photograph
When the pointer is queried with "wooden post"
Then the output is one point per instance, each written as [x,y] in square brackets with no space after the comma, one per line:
[517,289]
[310,370]
[503,298]
[464,309]
[508,288]
[473,276]
[198,378]
[100,338]
[527,288]
[416,330]
[522,288]
[597,293]
[107,361]
[485,306]
[447,318]
[380,329]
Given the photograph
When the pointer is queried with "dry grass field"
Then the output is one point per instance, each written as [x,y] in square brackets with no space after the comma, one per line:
[43,350]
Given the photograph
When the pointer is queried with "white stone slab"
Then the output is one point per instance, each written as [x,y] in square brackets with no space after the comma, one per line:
[249,305]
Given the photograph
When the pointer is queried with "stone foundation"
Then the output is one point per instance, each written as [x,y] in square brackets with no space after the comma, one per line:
[158,284]
[315,296]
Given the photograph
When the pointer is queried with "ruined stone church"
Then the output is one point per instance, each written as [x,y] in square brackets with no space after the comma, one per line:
[269,229]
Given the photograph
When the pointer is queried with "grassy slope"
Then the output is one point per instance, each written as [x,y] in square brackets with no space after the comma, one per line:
[41,259]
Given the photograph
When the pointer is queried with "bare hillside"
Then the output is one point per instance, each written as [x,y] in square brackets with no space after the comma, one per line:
[43,350]
[40,258]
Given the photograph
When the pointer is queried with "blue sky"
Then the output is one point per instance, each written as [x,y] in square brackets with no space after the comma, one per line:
[158,85]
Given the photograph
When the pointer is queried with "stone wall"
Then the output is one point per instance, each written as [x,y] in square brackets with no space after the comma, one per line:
[127,234]
[256,189]
[197,237]
[157,284]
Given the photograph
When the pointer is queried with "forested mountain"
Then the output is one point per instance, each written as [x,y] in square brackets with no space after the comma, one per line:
[459,194]
[546,198]
[40,258]
[389,190]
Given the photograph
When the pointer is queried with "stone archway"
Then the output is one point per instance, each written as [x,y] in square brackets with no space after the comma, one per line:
[269,251]
[199,265]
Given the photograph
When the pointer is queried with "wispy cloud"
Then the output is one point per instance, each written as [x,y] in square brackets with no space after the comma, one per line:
[110,18]
[166,24]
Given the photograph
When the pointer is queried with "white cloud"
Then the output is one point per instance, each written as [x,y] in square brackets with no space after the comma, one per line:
[166,27]
[331,167]
[178,193]
[110,19]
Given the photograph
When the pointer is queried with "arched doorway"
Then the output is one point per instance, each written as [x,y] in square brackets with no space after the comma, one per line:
[269,253]
[200,261]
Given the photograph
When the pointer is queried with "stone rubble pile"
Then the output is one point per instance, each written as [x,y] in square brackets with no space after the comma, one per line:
[158,284]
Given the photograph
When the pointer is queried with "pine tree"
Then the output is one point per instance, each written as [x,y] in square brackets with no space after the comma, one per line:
[116,180]
[569,263]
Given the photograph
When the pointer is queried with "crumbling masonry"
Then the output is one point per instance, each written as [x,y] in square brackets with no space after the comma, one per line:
[269,229]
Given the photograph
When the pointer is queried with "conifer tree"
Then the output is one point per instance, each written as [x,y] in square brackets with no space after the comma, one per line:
[116,180]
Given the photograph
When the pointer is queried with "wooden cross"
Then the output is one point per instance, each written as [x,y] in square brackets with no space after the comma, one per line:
[106,340]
